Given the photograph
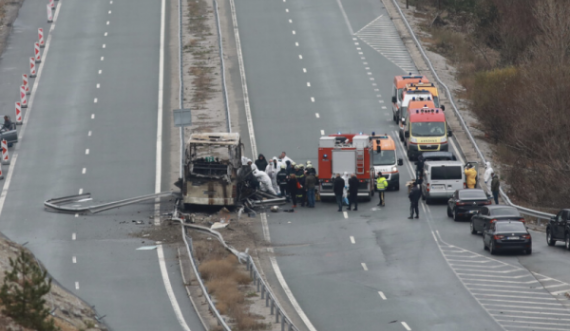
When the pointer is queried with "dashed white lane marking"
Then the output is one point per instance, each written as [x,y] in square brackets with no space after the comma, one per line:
[92,116]
[300,57]
[322,132]
[80,192]
[77,285]
[352,240]
[382,295]
[358,48]
[374,84]
[294,32]
[102,58]
[345,214]
[378,95]
[108,22]
[76,215]
[286,10]
[354,38]
[95,100]
[297,44]
[405,325]
[305,70]
[100,72]
[109,12]
[360,53]
[365,63]
[74,259]
[362,58]
[380,101]
[87,151]
[98,85]
[364,266]
[290,21]
[73,236]
[382,36]
[371,78]
[105,34]
[384,107]
[356,44]
[89,134]
[312,99]
[104,46]
[111,2]
[317,115]
[84,170]
[308,84]
[376,90]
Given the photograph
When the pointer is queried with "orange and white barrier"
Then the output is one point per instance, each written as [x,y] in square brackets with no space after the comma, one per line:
[32,68]
[5,155]
[23,98]
[25,83]
[41,38]
[37,53]
[18,113]
[50,14]
[51,4]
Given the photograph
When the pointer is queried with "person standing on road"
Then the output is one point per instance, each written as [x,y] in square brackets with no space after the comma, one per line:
[414,196]
[419,166]
[272,170]
[381,185]
[300,173]
[353,192]
[495,187]
[293,188]
[311,169]
[282,182]
[284,158]
[488,176]
[261,162]
[7,124]
[470,176]
[338,189]
[310,184]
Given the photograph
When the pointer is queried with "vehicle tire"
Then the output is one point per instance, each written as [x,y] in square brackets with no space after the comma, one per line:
[492,249]
[472,228]
[372,193]
[549,240]
[485,248]
[455,217]
[401,137]
[449,213]
[528,251]
[397,187]
[567,242]
[423,196]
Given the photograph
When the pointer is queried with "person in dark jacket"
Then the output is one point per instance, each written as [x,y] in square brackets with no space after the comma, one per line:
[495,187]
[419,166]
[310,184]
[7,124]
[353,192]
[338,189]
[292,188]
[261,163]
[414,196]
[301,193]
[288,167]
[282,182]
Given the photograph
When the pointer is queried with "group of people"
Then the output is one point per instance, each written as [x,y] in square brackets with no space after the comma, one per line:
[493,188]
[345,189]
[281,176]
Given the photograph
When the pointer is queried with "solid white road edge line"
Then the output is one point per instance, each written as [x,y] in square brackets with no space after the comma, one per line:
[157,185]
[405,325]
[280,277]
[345,17]
[382,295]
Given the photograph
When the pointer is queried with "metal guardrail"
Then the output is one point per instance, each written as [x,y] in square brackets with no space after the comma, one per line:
[57,204]
[523,210]
[223,68]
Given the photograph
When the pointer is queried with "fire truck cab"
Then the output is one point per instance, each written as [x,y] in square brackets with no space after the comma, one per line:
[350,153]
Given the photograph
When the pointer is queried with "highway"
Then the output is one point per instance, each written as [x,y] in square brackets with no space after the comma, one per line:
[323,67]
[92,127]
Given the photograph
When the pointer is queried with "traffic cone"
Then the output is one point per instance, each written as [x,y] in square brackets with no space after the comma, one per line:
[37,53]
[32,68]
[50,14]
[5,155]
[23,98]
[18,113]
[41,38]
[25,83]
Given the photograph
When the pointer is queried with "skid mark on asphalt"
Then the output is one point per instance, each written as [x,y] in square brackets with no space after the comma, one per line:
[516,298]
[381,35]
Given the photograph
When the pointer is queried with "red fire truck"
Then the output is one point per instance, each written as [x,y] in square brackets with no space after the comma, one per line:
[340,153]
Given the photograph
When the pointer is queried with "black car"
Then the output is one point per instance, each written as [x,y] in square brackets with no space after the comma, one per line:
[558,228]
[465,203]
[507,235]
[490,214]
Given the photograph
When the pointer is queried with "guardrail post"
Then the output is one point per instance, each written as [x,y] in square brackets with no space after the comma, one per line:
[272,305]
[290,326]
[277,316]
[267,302]
[283,323]
[262,292]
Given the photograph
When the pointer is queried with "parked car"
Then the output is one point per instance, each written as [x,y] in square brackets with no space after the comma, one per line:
[507,235]
[441,179]
[10,135]
[558,228]
[466,202]
[490,214]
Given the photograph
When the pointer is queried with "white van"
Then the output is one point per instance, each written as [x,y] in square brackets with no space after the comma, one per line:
[441,179]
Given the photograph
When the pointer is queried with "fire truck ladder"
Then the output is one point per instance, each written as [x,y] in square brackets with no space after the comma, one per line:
[360,161]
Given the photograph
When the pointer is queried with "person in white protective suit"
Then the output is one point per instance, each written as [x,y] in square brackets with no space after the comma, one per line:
[264,182]
[251,164]
[284,158]
[488,177]
[346,177]
[272,169]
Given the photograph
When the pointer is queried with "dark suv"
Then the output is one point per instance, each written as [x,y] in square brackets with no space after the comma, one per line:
[558,229]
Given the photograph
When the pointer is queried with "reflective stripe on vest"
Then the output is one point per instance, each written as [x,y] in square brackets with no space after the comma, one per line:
[381,183]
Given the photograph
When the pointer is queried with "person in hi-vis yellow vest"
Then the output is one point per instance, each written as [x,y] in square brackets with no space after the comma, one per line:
[381,185]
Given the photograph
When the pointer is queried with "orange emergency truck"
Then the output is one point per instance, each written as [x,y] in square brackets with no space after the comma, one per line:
[430,87]
[425,130]
[385,160]
[398,87]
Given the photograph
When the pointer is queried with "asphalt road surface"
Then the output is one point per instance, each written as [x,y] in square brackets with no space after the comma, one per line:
[92,128]
[319,67]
